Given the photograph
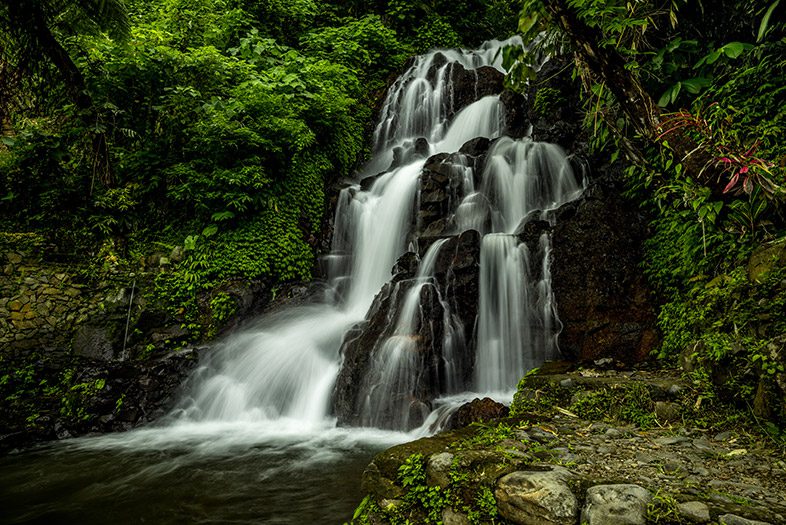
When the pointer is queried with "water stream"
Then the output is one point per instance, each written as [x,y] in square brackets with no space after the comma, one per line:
[254,439]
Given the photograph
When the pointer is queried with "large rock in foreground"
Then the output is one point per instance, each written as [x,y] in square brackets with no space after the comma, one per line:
[537,497]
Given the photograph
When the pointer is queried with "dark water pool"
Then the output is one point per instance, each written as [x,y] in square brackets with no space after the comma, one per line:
[196,475]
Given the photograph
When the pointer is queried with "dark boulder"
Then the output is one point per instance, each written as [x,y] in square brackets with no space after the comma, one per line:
[476,411]
[470,85]
[358,376]
[476,147]
[440,193]
[517,118]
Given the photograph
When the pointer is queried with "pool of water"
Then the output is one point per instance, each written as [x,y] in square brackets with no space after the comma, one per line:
[198,473]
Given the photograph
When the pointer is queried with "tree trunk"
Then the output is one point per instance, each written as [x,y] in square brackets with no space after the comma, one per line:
[72,78]
[608,66]
[76,88]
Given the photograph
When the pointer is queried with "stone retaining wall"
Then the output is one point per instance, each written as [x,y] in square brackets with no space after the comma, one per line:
[44,304]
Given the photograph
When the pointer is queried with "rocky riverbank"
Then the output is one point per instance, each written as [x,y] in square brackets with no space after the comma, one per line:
[586,445]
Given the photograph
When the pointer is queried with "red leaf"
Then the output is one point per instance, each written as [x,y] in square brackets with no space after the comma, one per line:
[744,169]
[731,183]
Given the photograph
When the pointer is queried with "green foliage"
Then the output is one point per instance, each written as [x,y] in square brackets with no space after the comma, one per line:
[34,388]
[222,121]
[489,435]
[424,503]
[663,509]
[433,33]
[547,102]
[366,46]
[431,500]
[728,324]
[76,399]
[630,403]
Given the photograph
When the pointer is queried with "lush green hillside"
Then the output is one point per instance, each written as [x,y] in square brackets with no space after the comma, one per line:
[213,125]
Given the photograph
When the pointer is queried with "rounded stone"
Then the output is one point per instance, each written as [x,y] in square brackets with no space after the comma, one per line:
[616,505]
[438,469]
[451,517]
[694,511]
[537,497]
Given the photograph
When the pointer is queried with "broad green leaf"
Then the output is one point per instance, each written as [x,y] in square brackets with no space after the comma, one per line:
[735,49]
[527,22]
[675,92]
[696,84]
[765,22]
[665,98]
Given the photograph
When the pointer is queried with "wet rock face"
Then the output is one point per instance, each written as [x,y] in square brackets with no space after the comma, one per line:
[602,298]
[441,186]
[365,344]
[472,85]
[455,285]
[553,106]
[440,194]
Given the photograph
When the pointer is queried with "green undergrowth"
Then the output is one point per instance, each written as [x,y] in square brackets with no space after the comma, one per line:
[625,402]
[425,503]
[697,402]
[38,392]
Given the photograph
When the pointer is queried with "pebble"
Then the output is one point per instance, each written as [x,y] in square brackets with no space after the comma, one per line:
[701,471]
[702,445]
[613,433]
[671,440]
[643,458]
[723,436]
[541,436]
[733,519]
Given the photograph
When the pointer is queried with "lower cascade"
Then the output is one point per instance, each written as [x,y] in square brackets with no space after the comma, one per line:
[468,307]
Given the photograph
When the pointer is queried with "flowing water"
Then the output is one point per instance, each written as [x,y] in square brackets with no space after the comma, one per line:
[253,440]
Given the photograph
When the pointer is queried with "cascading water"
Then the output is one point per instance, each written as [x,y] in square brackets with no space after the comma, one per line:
[397,364]
[285,368]
[260,405]
[518,324]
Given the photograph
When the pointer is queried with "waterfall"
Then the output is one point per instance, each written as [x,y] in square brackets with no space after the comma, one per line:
[397,363]
[518,324]
[285,367]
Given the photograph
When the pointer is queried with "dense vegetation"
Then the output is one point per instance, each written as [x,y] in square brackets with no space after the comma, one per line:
[185,146]
[694,95]
[213,125]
